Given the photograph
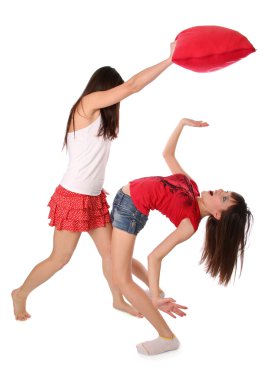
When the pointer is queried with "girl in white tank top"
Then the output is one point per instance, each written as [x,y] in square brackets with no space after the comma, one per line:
[79,202]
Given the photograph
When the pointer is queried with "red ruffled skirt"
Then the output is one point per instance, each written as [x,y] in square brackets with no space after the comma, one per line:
[78,212]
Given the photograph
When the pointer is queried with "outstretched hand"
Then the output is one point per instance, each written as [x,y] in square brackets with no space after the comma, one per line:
[194,123]
[169,306]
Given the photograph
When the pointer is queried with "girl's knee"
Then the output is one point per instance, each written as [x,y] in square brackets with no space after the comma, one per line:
[60,260]
[120,281]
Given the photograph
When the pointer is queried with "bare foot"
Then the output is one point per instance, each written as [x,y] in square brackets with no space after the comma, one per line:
[19,303]
[123,306]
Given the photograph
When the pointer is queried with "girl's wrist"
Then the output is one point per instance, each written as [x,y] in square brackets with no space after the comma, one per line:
[183,123]
[169,60]
[154,302]
[154,299]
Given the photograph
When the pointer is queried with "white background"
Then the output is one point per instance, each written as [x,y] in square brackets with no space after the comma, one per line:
[49,49]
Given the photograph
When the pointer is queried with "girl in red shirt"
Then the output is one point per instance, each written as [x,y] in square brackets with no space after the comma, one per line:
[177,197]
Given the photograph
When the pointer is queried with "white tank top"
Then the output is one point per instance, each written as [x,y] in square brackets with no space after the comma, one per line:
[88,156]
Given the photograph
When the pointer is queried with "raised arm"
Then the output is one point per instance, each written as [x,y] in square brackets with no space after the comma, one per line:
[170,147]
[184,231]
[102,99]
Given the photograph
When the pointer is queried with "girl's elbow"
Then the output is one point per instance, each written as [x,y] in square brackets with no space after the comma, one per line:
[132,86]
[167,155]
[152,257]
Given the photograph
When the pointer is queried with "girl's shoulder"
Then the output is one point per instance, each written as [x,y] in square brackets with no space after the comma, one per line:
[82,123]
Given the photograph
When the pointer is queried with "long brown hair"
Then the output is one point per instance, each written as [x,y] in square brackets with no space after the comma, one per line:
[103,79]
[226,239]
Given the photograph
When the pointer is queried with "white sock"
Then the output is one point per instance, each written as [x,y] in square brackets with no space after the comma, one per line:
[158,346]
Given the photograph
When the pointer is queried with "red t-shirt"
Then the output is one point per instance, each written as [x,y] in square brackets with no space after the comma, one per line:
[174,196]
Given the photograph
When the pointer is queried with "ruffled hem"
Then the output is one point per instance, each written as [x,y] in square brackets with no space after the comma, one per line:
[77,212]
[79,226]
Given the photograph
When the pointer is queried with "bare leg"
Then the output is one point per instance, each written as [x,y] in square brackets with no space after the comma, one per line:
[139,270]
[122,250]
[64,244]
[102,239]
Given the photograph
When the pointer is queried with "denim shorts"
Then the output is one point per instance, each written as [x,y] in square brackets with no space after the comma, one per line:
[125,216]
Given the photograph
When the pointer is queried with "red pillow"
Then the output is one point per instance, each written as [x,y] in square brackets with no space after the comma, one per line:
[209,48]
